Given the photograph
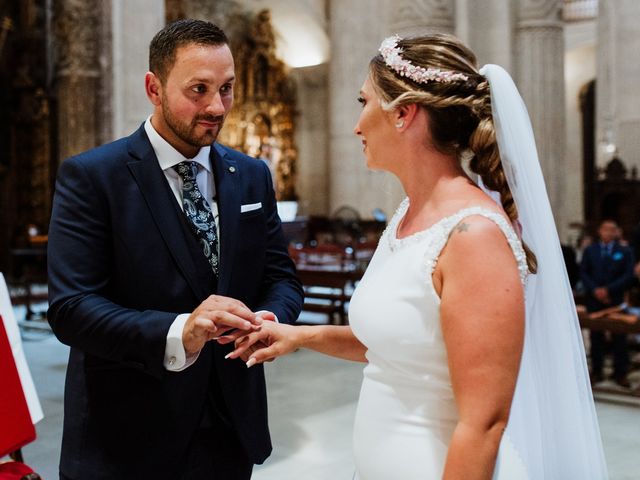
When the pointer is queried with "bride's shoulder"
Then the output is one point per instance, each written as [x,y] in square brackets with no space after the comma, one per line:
[480,229]
[483,239]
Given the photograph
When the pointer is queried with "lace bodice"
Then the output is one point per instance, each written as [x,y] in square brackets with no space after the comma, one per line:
[436,236]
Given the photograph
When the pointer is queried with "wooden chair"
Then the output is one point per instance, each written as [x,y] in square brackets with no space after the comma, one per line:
[616,321]
[29,268]
[327,272]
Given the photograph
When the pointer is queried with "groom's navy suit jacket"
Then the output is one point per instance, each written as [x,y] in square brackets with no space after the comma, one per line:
[122,265]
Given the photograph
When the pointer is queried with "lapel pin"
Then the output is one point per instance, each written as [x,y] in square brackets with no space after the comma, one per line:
[232,169]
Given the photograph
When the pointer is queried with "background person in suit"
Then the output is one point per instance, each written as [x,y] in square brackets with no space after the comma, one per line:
[606,272]
[143,231]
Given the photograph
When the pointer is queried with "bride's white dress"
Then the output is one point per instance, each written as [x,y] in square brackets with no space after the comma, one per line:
[406,413]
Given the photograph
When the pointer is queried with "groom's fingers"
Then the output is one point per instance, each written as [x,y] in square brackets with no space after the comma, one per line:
[216,303]
[227,320]
[231,336]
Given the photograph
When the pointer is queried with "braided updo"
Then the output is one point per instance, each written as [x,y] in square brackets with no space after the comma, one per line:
[460,116]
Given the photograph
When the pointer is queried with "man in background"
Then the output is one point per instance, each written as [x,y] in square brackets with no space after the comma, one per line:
[606,272]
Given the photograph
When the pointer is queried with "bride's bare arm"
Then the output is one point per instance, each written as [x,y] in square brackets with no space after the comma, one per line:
[277,339]
[482,315]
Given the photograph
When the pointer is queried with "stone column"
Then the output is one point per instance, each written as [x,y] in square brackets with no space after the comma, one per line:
[580,71]
[312,184]
[413,17]
[487,28]
[617,99]
[539,74]
[134,25]
[353,44]
[82,33]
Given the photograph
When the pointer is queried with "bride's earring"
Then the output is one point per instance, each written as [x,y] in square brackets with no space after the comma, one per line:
[400,124]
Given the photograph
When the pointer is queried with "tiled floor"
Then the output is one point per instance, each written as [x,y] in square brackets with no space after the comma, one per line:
[312,401]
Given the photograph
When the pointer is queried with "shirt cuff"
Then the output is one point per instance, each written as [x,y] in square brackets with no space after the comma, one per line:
[175,357]
[267,311]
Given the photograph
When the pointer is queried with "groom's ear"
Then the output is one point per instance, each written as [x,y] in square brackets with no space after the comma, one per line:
[153,88]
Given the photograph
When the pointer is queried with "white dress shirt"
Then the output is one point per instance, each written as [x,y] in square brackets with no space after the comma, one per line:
[175,357]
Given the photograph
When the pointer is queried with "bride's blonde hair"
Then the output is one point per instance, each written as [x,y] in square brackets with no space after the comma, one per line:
[459,110]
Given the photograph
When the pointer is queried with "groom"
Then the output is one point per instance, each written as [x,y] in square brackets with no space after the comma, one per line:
[159,243]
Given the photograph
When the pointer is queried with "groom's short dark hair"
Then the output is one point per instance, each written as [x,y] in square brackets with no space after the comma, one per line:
[163,47]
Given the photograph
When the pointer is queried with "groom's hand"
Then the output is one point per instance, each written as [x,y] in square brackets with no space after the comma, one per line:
[234,336]
[214,317]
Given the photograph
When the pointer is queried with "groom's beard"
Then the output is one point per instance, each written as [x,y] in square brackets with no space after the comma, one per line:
[187,131]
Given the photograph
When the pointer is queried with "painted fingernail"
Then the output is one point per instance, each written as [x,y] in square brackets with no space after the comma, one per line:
[227,355]
[251,362]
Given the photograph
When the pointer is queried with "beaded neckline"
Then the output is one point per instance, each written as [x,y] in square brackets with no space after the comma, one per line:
[440,230]
[392,228]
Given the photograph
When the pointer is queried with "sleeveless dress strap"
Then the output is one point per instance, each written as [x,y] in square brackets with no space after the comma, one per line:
[441,231]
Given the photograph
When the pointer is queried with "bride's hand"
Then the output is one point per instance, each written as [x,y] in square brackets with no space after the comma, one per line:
[272,340]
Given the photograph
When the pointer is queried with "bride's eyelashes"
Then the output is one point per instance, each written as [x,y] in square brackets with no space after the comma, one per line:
[362,101]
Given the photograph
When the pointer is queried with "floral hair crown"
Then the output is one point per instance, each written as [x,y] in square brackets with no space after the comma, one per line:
[391,54]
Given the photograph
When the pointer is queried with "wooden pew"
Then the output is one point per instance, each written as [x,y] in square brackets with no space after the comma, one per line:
[328,273]
[615,321]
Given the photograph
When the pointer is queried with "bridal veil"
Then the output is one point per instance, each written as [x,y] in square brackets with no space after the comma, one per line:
[553,421]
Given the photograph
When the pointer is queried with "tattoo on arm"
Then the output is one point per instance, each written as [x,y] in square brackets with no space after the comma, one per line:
[462,227]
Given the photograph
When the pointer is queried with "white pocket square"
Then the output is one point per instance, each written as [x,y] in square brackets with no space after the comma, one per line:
[249,207]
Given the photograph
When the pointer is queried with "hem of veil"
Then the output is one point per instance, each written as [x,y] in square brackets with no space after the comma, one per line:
[506,437]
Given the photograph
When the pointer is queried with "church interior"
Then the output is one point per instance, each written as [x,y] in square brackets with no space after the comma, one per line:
[72,78]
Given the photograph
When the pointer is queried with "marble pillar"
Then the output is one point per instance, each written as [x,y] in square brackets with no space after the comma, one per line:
[312,179]
[353,44]
[134,25]
[413,17]
[487,27]
[83,64]
[539,74]
[580,71]
[618,72]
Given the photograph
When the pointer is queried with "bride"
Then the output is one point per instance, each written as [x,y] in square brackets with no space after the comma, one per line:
[475,366]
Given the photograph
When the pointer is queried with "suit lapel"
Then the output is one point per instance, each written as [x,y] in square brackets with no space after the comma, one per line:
[163,206]
[228,192]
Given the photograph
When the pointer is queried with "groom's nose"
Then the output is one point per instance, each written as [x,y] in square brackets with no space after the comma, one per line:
[215,106]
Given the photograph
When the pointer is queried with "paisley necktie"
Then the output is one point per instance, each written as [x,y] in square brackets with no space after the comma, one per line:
[198,211]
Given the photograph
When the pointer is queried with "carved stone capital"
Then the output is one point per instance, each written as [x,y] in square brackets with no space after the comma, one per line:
[77,33]
[539,13]
[407,16]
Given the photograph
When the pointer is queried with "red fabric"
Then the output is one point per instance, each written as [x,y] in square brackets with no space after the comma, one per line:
[13,470]
[16,428]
